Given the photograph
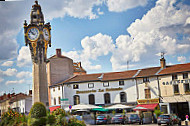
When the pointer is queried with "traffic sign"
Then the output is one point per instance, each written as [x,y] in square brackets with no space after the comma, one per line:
[70,106]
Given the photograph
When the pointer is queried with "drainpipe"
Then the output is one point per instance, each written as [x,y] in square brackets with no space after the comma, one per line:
[137,88]
[62,95]
[159,92]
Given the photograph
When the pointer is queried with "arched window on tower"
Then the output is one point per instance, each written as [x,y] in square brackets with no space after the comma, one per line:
[91,99]
[76,99]
[123,97]
[107,98]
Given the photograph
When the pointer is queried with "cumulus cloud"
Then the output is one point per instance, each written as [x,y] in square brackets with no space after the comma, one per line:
[8,72]
[15,82]
[7,63]
[24,57]
[93,47]
[156,32]
[181,59]
[122,5]
[24,74]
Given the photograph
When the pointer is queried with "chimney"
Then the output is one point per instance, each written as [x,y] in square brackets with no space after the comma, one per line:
[79,64]
[163,62]
[58,52]
[30,92]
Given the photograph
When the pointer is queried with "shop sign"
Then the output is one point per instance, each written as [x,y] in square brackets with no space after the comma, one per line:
[99,90]
[176,82]
[148,101]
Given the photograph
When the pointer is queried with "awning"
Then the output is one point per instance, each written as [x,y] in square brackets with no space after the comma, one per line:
[52,108]
[148,106]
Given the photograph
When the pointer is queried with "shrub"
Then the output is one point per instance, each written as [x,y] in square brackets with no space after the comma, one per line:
[75,122]
[38,110]
[59,111]
[38,121]
[51,119]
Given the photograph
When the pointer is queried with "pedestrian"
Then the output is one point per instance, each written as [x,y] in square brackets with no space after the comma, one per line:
[141,118]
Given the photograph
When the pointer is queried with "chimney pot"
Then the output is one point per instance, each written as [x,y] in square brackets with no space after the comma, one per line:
[58,52]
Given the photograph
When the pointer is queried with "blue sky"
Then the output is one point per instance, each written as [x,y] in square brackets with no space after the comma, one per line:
[103,34]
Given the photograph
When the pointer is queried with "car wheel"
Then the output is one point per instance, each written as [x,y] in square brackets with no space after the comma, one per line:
[159,124]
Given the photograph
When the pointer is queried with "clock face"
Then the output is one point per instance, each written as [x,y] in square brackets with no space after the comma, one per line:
[46,34]
[33,34]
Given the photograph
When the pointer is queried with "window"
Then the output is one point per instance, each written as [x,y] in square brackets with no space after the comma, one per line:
[121,83]
[145,79]
[186,88]
[59,100]
[53,89]
[90,85]
[75,86]
[106,84]
[76,100]
[107,98]
[185,75]
[123,97]
[176,89]
[147,93]
[54,101]
[174,76]
[91,99]
[58,87]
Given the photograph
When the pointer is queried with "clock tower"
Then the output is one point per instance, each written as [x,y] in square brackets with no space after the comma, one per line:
[38,38]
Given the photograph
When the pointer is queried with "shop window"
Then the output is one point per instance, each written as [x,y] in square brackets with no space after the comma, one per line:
[147,93]
[75,86]
[174,77]
[59,99]
[123,97]
[91,99]
[186,88]
[146,79]
[76,100]
[121,83]
[90,85]
[176,89]
[107,98]
[106,84]
[185,75]
[54,101]
[58,87]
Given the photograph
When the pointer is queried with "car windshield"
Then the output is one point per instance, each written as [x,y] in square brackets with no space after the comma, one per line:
[101,117]
[164,116]
[118,115]
[134,116]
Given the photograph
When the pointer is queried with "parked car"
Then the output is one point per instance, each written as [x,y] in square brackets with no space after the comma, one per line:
[133,118]
[168,119]
[78,117]
[118,119]
[101,119]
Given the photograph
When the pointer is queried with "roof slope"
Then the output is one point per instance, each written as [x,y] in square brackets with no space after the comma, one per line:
[175,69]
[148,72]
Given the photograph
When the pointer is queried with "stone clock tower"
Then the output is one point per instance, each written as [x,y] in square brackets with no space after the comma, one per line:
[38,37]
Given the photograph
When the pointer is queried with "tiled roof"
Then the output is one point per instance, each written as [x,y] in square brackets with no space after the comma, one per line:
[55,56]
[176,68]
[148,72]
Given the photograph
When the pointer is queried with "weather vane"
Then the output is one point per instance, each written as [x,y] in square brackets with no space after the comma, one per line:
[162,54]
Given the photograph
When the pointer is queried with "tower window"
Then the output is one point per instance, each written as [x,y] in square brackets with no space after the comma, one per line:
[121,83]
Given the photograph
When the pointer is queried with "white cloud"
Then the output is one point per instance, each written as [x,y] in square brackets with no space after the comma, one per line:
[24,57]
[122,5]
[93,47]
[1,80]
[100,12]
[15,82]
[7,63]
[155,32]
[24,74]
[8,72]
[181,59]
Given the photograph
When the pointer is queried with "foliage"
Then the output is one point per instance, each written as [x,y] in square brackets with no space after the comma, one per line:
[75,122]
[59,111]
[51,119]
[123,112]
[12,118]
[38,121]
[157,112]
[38,110]
[113,112]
